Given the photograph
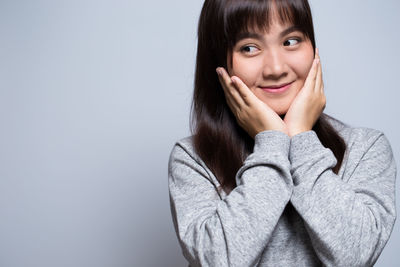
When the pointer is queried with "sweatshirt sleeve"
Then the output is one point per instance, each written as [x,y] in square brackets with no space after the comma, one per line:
[349,222]
[235,230]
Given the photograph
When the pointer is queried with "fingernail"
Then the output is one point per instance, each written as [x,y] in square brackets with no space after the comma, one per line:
[317,61]
[218,71]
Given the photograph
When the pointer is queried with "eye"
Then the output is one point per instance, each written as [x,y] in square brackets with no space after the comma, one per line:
[291,42]
[248,49]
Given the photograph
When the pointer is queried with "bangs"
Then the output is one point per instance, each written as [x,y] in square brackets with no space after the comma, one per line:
[246,16]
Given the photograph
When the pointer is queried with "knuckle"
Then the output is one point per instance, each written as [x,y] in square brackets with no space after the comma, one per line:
[238,116]
[323,102]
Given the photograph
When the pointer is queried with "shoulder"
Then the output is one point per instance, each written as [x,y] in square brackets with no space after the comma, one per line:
[364,144]
[184,148]
[362,136]
[184,159]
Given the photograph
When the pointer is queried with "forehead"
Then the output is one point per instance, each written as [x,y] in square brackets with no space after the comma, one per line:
[262,17]
[274,31]
[274,27]
[272,21]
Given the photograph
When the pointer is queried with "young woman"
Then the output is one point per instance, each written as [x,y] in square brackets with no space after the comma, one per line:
[267,179]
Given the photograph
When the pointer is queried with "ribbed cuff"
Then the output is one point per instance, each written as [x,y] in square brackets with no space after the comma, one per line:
[304,145]
[273,141]
[271,148]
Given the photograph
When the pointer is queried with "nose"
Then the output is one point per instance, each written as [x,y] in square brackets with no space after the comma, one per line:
[274,65]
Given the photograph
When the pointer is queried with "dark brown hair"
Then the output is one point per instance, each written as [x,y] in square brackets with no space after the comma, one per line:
[218,139]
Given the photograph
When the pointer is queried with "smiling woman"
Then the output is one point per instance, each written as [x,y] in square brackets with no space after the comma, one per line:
[267,178]
[273,64]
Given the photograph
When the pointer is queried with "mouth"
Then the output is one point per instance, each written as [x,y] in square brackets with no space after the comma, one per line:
[276,88]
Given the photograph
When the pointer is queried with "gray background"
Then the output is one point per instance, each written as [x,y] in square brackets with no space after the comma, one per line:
[93,95]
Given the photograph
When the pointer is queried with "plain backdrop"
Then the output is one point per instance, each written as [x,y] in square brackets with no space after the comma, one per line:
[94,94]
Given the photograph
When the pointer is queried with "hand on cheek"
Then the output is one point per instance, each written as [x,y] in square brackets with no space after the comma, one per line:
[309,102]
[253,115]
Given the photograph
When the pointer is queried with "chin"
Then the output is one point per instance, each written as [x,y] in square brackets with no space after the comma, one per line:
[281,111]
[280,106]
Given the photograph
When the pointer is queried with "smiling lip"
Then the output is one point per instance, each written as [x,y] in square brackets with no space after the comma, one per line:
[276,88]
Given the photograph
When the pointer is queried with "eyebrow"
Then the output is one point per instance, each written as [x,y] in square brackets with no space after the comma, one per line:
[291,29]
[254,35]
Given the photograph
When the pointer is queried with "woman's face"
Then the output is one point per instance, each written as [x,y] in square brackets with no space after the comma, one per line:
[266,60]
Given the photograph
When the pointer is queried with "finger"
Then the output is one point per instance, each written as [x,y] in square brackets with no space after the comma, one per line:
[318,81]
[229,87]
[232,106]
[243,90]
[228,96]
[229,99]
[312,74]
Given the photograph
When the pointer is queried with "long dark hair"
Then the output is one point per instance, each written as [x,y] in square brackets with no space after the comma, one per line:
[218,139]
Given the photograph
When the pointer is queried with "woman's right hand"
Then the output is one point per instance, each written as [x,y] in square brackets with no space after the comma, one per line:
[251,113]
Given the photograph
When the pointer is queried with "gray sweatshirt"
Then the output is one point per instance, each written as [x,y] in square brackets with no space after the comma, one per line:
[289,208]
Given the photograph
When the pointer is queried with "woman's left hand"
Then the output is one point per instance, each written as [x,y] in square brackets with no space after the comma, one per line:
[309,102]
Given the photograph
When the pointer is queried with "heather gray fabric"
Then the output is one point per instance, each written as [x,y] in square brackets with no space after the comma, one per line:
[289,208]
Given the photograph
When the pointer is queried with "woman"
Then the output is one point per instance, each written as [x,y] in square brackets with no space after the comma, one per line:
[267,179]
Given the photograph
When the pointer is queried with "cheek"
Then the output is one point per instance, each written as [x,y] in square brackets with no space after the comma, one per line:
[246,69]
[302,62]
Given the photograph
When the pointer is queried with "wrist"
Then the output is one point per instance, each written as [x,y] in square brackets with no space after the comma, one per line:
[293,132]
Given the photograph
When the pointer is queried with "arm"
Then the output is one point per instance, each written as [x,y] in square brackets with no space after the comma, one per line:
[349,222]
[233,231]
